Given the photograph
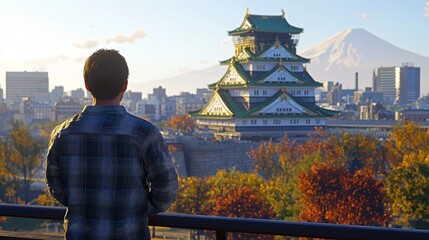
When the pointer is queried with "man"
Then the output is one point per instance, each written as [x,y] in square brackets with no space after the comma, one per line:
[110,169]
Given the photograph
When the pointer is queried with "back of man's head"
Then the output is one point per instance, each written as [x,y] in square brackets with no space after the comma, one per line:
[105,73]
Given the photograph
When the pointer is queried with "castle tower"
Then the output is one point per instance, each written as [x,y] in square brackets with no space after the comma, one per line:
[266,91]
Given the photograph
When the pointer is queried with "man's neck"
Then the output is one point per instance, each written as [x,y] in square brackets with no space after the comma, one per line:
[110,102]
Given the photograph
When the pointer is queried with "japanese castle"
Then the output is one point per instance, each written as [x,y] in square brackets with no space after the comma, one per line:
[266,91]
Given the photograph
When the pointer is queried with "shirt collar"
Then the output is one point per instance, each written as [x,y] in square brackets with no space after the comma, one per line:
[104,109]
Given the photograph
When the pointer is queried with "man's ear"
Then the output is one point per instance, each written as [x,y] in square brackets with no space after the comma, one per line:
[87,88]
[124,87]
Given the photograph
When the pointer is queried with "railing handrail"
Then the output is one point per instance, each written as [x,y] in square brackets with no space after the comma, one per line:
[223,225]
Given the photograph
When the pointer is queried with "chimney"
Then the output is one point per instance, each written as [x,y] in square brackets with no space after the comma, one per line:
[356,81]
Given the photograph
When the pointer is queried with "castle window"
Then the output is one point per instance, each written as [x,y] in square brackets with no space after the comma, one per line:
[317,121]
[256,92]
[277,121]
[244,122]
[305,92]
[264,92]
[261,67]
[265,122]
[307,121]
[253,122]
[294,68]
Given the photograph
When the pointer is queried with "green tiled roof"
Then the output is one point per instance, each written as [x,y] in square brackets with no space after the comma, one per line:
[318,112]
[263,23]
[305,77]
[239,112]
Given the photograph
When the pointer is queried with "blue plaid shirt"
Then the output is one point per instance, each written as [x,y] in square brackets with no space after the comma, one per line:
[111,170]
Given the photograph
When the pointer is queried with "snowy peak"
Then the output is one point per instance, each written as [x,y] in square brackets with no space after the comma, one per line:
[357,50]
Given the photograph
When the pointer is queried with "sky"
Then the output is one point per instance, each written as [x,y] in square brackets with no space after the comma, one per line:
[164,38]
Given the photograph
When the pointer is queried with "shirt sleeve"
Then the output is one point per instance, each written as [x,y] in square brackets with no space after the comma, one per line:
[161,174]
[53,181]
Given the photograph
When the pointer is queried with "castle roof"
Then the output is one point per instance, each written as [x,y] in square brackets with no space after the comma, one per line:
[265,23]
[280,99]
[302,79]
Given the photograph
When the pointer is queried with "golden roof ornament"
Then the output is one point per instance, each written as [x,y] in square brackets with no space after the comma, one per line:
[247,12]
[231,62]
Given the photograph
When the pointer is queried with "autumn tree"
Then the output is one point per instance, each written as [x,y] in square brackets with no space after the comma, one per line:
[335,195]
[243,202]
[46,199]
[266,160]
[405,139]
[20,158]
[182,123]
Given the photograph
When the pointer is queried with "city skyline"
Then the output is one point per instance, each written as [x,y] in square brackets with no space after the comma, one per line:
[163,40]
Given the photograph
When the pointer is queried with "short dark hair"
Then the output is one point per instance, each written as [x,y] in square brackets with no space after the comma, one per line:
[105,73]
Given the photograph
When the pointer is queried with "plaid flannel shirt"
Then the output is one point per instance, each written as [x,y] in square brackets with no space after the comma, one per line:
[111,170]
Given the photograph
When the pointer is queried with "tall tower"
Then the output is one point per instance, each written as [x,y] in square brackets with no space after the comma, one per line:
[266,90]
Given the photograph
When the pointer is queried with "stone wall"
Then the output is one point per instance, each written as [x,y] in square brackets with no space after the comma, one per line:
[204,158]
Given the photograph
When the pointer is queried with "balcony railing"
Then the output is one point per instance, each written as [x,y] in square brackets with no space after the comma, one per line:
[224,225]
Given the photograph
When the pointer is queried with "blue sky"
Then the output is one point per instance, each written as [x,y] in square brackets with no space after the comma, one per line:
[163,38]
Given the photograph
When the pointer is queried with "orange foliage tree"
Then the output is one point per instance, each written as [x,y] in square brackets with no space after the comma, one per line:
[335,195]
[182,123]
[243,202]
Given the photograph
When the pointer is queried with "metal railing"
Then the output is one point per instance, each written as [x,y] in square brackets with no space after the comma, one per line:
[224,225]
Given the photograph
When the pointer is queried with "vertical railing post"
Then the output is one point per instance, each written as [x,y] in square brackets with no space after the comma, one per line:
[220,235]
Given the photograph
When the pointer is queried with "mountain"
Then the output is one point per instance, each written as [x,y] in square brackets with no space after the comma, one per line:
[357,50]
[336,59]
[186,82]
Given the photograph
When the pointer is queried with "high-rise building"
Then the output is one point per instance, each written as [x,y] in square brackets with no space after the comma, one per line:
[266,90]
[57,93]
[20,85]
[398,84]
[1,95]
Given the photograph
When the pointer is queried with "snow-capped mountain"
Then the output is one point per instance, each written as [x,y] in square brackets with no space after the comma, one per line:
[357,50]
[336,59]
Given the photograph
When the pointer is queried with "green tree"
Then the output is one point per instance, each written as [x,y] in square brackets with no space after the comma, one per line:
[192,196]
[226,180]
[408,191]
[20,158]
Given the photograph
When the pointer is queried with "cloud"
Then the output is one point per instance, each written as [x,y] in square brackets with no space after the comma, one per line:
[225,41]
[42,64]
[130,39]
[427,10]
[182,69]
[87,44]
[366,17]
[80,59]
[204,61]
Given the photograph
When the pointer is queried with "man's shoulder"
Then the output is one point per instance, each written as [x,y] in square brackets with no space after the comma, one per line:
[142,126]
[64,125]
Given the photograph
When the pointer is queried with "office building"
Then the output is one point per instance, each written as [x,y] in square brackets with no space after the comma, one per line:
[399,85]
[24,85]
